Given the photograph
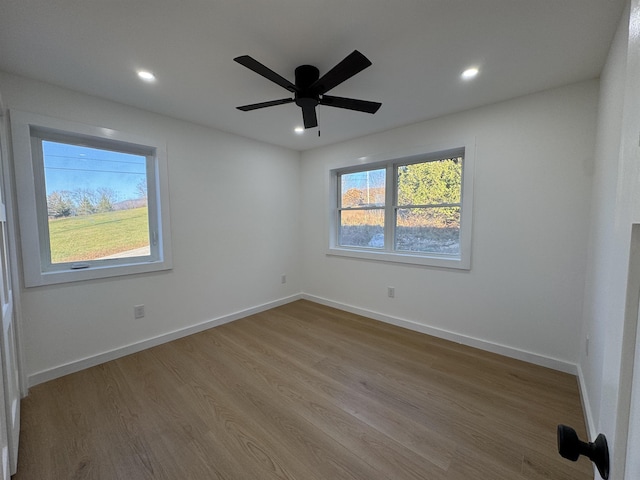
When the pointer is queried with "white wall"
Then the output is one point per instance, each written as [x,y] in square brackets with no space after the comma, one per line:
[234,215]
[524,293]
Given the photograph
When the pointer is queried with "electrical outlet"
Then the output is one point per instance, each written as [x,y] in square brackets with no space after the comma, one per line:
[391,292]
[283,278]
[138,311]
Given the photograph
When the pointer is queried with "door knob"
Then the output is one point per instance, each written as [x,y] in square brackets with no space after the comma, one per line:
[571,447]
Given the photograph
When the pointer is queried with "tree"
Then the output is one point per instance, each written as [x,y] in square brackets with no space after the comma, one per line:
[141,189]
[85,201]
[60,204]
[106,198]
[353,197]
[431,183]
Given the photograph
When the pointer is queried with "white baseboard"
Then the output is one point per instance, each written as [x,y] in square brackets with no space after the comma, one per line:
[586,405]
[537,359]
[77,365]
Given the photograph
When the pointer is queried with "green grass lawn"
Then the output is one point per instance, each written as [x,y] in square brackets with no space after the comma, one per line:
[88,237]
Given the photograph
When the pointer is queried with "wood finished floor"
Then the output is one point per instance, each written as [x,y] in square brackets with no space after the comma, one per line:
[303,392]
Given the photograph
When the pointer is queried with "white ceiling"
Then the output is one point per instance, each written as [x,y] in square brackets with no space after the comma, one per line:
[418,49]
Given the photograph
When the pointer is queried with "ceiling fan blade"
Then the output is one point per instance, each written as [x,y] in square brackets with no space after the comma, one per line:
[266,72]
[350,104]
[309,116]
[354,63]
[272,103]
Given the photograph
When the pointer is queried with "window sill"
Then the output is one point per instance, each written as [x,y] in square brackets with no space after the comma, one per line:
[441,261]
[92,272]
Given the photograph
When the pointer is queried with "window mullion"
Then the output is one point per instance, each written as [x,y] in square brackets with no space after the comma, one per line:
[433,205]
[389,210]
[337,213]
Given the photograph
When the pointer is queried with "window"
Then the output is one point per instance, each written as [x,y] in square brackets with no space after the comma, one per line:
[92,202]
[411,209]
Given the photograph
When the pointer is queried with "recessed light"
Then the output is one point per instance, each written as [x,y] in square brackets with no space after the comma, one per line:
[146,75]
[299,130]
[470,73]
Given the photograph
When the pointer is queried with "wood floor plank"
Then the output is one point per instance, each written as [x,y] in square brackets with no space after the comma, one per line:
[376,449]
[359,403]
[502,393]
[414,437]
[325,456]
[303,392]
[450,405]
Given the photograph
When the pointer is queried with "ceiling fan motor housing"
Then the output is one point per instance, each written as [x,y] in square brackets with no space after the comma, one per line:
[306,75]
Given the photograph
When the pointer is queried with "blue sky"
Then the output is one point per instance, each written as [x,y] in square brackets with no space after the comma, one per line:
[362,180]
[71,167]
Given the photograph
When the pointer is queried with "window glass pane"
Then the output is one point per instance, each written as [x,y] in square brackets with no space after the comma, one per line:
[96,202]
[430,183]
[431,230]
[361,189]
[362,228]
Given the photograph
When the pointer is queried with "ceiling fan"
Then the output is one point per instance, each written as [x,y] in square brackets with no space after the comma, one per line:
[309,88]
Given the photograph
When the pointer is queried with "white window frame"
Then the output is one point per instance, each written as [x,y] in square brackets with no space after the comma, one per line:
[391,162]
[27,132]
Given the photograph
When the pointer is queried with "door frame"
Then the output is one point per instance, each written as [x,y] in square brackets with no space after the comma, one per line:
[12,225]
[625,459]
